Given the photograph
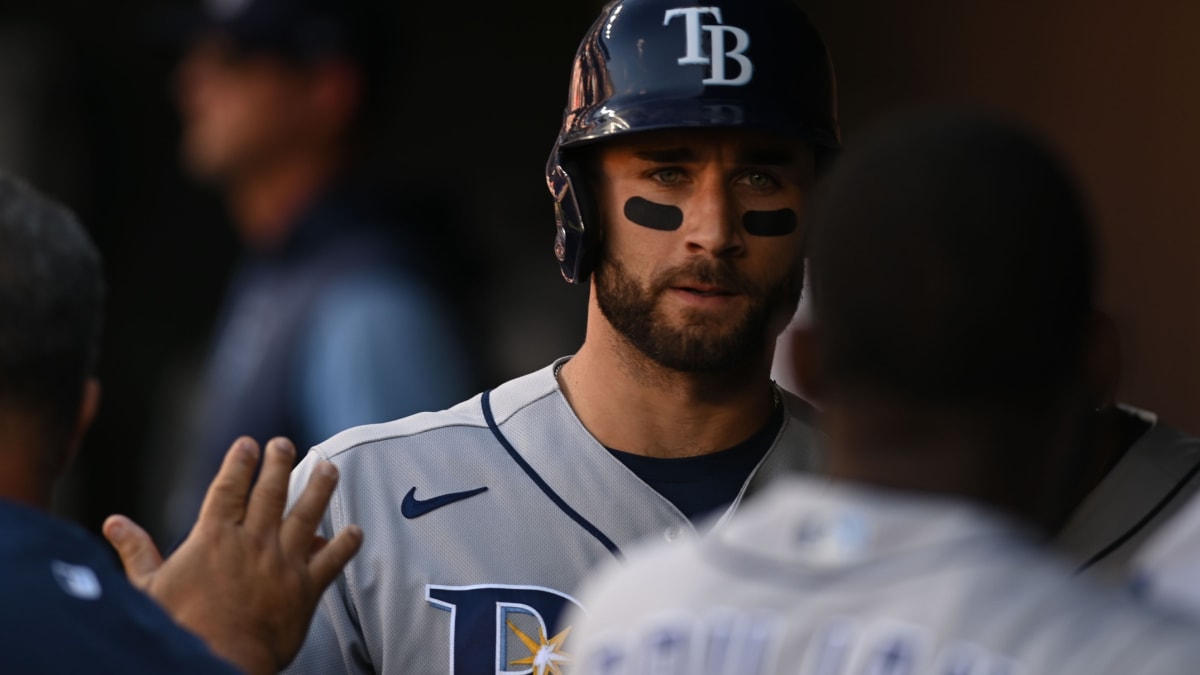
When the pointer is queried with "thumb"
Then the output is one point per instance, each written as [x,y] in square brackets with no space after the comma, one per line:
[138,553]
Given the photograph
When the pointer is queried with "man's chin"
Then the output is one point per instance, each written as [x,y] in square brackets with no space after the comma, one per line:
[700,360]
[688,315]
[699,348]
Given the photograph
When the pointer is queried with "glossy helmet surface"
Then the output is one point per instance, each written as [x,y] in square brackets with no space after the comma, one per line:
[647,65]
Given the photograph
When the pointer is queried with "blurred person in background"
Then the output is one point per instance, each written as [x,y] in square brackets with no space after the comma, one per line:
[335,316]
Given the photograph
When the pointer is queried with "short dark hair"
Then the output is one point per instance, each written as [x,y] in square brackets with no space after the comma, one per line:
[952,263]
[51,305]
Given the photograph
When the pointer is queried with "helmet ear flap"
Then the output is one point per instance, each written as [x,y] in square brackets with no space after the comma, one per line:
[577,236]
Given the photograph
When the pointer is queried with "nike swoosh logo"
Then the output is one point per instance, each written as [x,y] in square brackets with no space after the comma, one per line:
[412,507]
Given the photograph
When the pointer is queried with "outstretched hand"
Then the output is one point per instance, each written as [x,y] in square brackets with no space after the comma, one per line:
[246,580]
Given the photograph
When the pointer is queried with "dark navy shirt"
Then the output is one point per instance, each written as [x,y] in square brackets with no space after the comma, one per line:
[65,607]
[697,486]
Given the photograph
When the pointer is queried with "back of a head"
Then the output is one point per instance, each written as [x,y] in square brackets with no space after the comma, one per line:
[51,306]
[951,264]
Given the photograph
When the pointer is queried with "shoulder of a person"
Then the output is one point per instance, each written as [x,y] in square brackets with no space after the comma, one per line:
[456,429]
[30,532]
[1166,446]
[375,287]
[798,408]
[408,434]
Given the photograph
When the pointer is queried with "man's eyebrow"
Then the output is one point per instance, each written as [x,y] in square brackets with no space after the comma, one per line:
[767,156]
[666,155]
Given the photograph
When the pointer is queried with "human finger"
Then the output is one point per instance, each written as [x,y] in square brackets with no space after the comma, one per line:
[330,560]
[270,492]
[301,522]
[137,551]
[226,496]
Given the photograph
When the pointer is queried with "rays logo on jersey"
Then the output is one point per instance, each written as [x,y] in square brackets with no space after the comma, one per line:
[716,36]
[500,629]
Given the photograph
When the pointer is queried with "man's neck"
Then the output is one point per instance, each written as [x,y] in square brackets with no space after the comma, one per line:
[631,403]
[23,472]
[921,450]
[265,202]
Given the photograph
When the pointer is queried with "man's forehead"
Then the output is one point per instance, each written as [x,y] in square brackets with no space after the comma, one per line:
[681,145]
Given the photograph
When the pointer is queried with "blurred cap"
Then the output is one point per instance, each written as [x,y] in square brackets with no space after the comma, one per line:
[302,30]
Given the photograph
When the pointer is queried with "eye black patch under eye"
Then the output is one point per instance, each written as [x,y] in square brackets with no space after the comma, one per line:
[653,215]
[770,223]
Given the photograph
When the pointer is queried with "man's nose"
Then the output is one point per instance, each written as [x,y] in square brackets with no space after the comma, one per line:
[710,223]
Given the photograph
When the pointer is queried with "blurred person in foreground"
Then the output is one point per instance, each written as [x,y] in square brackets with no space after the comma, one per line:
[1134,472]
[951,275]
[335,316]
[243,582]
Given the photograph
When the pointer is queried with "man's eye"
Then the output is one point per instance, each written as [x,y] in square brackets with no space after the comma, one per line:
[668,176]
[759,181]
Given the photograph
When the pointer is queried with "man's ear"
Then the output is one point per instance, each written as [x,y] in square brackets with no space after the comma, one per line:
[1101,360]
[89,405]
[806,366]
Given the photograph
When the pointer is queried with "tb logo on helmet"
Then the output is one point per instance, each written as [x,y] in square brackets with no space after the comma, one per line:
[717,35]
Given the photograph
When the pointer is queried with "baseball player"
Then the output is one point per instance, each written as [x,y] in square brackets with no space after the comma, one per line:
[690,141]
[949,426]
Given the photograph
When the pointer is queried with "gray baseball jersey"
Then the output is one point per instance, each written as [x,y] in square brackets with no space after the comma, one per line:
[820,579]
[480,523]
[1152,481]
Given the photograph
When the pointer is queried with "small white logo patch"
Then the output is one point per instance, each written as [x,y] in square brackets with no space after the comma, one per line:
[76,580]
[831,538]
[716,35]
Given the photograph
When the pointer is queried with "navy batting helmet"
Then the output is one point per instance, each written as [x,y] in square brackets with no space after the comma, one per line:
[670,64]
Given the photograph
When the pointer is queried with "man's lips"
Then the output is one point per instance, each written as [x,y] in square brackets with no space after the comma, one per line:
[704,290]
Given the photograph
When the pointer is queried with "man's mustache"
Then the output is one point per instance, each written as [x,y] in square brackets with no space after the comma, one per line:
[698,271]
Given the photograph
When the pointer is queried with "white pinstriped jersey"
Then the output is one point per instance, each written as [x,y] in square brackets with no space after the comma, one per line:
[480,521]
[813,578]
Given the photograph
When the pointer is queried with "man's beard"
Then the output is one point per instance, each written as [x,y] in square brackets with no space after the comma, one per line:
[705,342]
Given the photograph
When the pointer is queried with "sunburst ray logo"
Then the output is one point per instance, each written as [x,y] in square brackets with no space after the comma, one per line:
[544,655]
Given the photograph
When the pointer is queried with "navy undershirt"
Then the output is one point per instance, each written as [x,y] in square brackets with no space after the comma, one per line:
[700,485]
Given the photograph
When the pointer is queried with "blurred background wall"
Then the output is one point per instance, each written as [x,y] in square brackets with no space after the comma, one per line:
[86,114]
[1116,86]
